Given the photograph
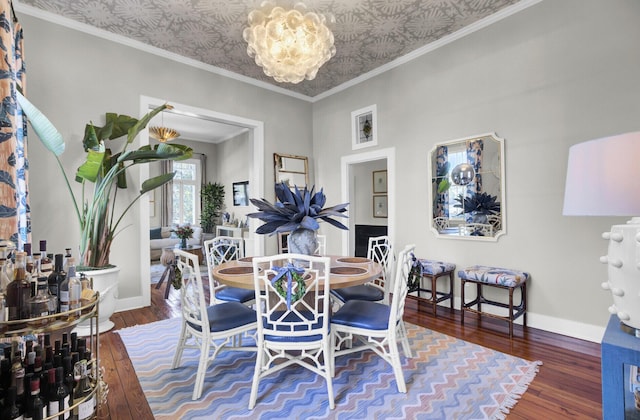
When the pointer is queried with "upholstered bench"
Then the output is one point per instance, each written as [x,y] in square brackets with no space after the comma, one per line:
[502,278]
[433,270]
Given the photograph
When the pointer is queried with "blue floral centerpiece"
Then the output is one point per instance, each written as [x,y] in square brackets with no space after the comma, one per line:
[298,212]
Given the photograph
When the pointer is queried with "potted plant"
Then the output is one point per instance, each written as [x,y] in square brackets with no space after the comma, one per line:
[212,199]
[479,205]
[106,172]
[297,212]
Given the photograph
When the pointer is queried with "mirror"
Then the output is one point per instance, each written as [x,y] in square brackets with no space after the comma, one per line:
[291,169]
[467,188]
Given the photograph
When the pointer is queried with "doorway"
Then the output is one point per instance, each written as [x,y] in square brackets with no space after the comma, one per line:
[349,190]
[256,169]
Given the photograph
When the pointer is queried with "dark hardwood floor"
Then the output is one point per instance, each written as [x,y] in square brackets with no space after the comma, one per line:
[567,386]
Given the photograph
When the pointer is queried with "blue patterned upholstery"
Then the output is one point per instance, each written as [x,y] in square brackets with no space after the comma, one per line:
[494,275]
[235,294]
[434,267]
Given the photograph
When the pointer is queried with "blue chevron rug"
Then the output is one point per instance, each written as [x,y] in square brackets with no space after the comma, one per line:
[447,378]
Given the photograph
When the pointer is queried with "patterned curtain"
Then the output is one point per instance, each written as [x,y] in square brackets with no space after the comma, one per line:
[474,157]
[440,208]
[15,214]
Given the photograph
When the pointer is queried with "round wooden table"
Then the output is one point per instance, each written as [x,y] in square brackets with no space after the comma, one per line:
[345,272]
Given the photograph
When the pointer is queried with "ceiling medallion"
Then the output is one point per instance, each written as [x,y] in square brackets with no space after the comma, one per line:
[289,45]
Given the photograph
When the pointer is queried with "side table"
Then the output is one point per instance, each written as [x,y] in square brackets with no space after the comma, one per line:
[619,351]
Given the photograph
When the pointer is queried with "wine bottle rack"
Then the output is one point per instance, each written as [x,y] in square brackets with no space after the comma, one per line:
[64,322]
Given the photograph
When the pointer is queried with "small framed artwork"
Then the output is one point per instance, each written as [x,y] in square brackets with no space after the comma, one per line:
[379,182]
[364,127]
[241,193]
[380,206]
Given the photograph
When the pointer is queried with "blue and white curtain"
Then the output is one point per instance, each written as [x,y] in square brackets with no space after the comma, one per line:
[440,206]
[475,150]
[15,215]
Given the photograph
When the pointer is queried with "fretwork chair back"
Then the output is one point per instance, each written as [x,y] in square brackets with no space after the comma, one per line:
[219,250]
[380,251]
[376,326]
[292,303]
[210,329]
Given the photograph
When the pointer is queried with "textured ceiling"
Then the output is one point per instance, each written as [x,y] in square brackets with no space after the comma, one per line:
[368,33]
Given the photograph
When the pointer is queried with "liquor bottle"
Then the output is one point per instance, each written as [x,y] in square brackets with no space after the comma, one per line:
[36,404]
[55,280]
[17,379]
[46,265]
[29,257]
[43,303]
[75,287]
[65,261]
[59,398]
[11,410]
[86,408]
[18,291]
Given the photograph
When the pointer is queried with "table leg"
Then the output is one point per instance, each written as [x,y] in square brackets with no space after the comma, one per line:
[171,277]
[163,277]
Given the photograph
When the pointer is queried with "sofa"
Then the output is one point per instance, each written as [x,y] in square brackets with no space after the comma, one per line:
[162,237]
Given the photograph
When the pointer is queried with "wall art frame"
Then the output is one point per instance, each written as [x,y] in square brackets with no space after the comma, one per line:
[380,182]
[364,127]
[380,206]
[241,193]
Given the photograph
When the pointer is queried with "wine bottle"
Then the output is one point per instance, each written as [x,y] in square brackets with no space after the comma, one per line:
[46,265]
[36,404]
[59,398]
[86,407]
[55,280]
[11,410]
[18,291]
[43,303]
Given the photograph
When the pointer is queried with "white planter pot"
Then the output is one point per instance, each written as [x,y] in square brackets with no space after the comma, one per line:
[106,282]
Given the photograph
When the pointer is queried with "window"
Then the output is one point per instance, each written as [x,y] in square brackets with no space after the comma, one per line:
[186,192]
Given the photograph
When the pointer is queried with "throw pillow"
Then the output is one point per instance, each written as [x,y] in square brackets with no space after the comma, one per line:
[156,233]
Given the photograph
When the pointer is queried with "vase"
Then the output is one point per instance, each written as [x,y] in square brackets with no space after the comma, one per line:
[105,281]
[303,241]
[183,243]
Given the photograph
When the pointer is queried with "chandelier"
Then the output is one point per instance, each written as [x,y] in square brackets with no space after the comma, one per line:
[289,45]
[163,134]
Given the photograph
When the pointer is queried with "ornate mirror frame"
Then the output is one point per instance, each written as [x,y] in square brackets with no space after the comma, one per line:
[291,169]
[481,189]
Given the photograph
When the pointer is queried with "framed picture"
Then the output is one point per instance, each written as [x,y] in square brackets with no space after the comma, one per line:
[380,206]
[241,193]
[379,182]
[364,127]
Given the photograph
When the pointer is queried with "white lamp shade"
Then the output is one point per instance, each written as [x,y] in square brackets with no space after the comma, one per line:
[603,177]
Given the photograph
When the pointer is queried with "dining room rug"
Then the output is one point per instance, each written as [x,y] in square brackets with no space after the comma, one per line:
[447,378]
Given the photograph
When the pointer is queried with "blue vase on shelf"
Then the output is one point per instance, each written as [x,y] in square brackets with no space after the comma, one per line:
[183,243]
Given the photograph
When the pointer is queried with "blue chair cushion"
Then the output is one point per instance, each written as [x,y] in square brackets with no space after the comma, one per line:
[360,292]
[363,314]
[433,267]
[494,275]
[235,294]
[228,315]
[293,317]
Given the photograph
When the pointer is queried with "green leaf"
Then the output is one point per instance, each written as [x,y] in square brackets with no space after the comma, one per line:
[142,123]
[155,182]
[47,133]
[90,169]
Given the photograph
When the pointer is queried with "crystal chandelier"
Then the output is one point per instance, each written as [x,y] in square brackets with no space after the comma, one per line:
[289,45]
[163,134]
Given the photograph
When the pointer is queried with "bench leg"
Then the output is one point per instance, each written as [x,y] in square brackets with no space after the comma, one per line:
[511,312]
[434,294]
[451,290]
[462,282]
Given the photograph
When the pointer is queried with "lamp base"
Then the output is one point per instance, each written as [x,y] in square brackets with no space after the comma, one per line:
[629,330]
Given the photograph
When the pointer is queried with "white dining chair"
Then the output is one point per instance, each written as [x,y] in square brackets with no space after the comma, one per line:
[363,325]
[219,250]
[380,251]
[293,317]
[209,329]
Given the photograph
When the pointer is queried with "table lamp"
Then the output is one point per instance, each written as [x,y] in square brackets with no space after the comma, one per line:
[603,179]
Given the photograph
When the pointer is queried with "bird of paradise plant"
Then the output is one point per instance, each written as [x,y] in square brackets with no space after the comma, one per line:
[96,212]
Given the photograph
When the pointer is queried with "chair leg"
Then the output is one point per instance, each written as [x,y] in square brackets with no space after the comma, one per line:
[328,370]
[256,377]
[202,369]
[404,340]
[394,356]
[180,347]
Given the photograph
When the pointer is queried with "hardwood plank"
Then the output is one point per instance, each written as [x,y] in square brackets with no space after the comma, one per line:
[567,386]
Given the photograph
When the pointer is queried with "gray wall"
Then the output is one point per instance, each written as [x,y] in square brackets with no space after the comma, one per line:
[556,74]
[74,77]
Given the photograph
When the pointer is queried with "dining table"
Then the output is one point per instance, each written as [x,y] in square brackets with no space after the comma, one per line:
[344,272]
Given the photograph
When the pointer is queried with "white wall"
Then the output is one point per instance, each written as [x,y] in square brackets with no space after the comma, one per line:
[232,165]
[74,77]
[551,76]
